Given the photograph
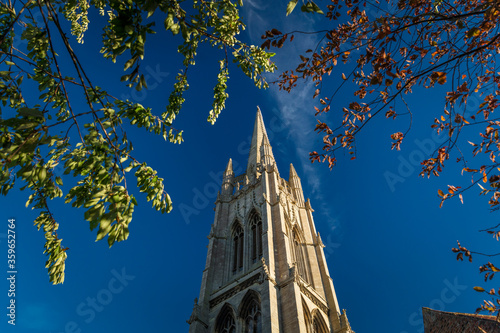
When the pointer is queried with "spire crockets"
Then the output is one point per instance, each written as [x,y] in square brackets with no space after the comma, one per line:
[259,132]
[296,186]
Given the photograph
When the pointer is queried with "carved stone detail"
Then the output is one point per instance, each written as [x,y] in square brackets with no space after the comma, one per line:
[281,199]
[236,289]
[265,271]
[195,315]
[313,298]
[293,214]
[238,211]
[211,234]
[320,241]
[260,168]
[262,200]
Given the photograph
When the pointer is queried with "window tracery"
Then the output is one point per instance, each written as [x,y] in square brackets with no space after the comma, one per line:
[237,250]
[319,325]
[225,321]
[300,259]
[252,320]
[250,313]
[256,237]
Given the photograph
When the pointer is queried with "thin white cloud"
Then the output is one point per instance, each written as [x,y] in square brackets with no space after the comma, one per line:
[296,108]
[256,5]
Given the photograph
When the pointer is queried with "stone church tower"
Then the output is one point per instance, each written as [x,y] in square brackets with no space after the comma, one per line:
[266,270]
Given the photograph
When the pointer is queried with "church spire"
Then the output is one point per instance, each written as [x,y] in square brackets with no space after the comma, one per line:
[229,168]
[296,186]
[259,133]
[227,179]
[252,251]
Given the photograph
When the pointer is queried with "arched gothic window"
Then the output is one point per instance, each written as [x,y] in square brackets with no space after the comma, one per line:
[319,325]
[299,256]
[256,234]
[225,321]
[237,248]
[252,320]
[307,317]
[250,313]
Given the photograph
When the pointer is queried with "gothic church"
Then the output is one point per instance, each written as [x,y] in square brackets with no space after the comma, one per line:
[265,270]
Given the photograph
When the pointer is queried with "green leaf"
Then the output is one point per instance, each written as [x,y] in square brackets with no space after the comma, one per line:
[150,7]
[129,64]
[311,7]
[42,174]
[291,6]
[33,112]
[104,228]
[175,28]
[316,8]
[27,125]
[129,29]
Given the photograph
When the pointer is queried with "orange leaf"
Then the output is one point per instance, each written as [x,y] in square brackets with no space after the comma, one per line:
[442,78]
[461,198]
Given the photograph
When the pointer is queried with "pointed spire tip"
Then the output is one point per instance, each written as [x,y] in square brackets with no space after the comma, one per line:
[259,132]
[229,168]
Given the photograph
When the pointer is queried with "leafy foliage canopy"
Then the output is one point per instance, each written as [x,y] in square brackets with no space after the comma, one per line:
[94,147]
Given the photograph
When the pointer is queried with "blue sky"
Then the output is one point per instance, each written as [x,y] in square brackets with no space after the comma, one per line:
[387,241]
